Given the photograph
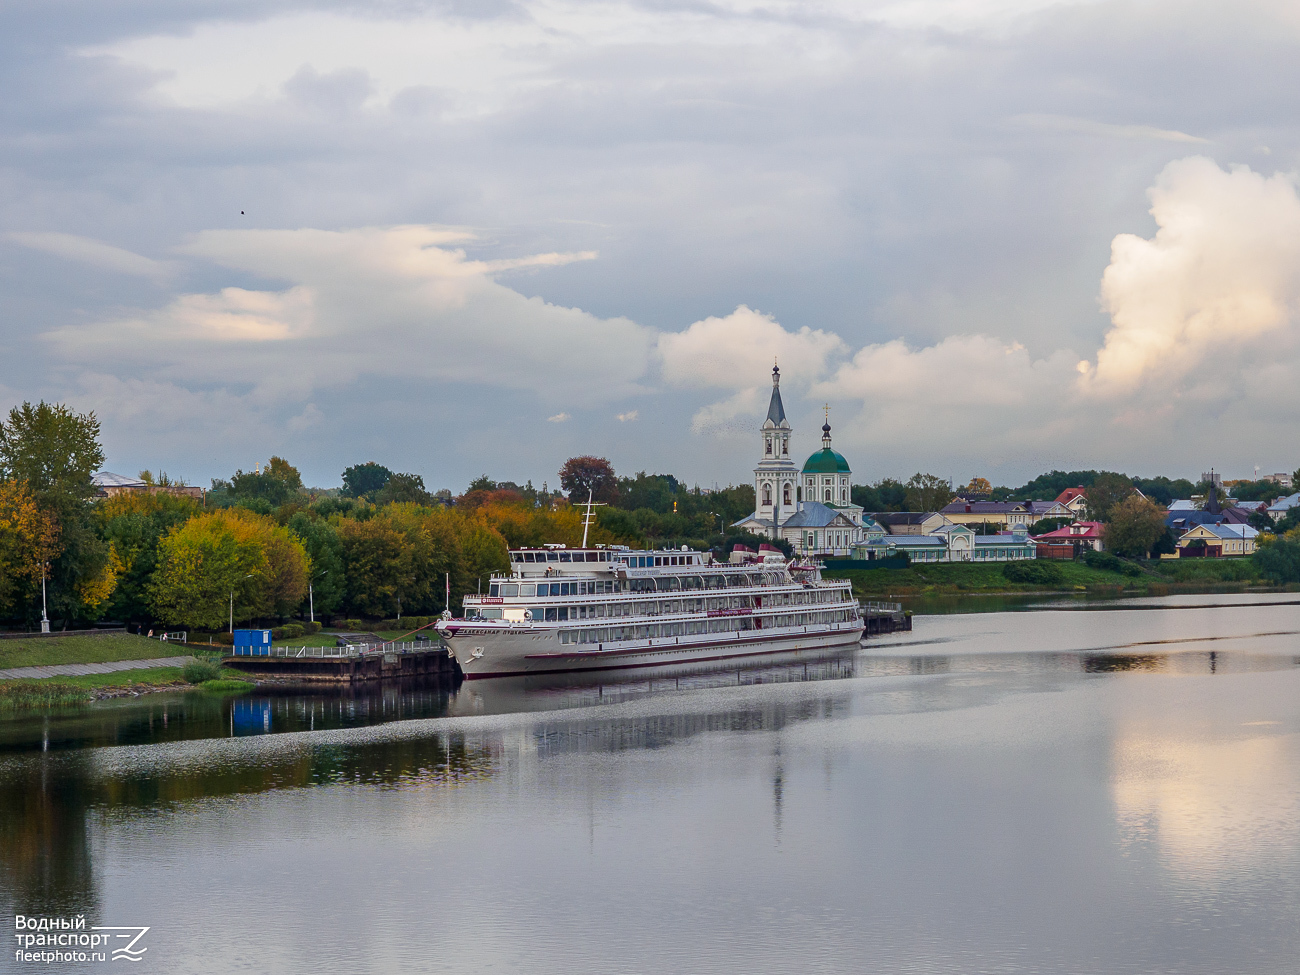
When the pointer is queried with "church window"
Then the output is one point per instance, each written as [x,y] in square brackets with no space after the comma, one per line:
[844,495]
[786,495]
[828,494]
[767,494]
[769,446]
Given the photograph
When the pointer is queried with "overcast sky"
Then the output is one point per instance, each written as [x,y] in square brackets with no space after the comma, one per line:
[996,236]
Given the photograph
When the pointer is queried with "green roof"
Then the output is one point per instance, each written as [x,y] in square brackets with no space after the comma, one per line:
[826,461]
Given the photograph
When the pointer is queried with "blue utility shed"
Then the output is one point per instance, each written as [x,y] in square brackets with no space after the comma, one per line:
[252,643]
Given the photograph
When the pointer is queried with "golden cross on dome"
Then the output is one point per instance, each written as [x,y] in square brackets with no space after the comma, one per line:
[827,409]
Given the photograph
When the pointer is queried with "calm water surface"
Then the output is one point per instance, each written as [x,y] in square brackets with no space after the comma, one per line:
[1072,789]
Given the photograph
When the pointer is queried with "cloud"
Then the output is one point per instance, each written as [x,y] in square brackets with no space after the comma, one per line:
[729,352]
[397,302]
[559,418]
[1221,275]
[629,416]
[1083,126]
[93,252]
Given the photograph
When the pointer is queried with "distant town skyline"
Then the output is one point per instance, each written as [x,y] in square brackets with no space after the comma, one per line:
[997,239]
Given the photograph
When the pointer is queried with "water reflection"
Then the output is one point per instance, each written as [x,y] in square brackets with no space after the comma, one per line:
[45,859]
[942,806]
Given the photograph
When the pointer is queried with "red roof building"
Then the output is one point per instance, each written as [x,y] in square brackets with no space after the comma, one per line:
[1072,540]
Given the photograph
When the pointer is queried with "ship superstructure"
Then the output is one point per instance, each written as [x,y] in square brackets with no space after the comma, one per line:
[610,606]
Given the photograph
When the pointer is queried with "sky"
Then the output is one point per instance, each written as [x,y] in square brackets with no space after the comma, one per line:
[995,237]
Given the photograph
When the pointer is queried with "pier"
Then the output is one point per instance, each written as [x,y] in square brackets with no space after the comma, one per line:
[885,618]
[358,662]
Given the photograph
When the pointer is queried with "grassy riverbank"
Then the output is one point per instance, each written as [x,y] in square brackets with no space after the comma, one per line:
[1154,578]
[45,651]
[52,692]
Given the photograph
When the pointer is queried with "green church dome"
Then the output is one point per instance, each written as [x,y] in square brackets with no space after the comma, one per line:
[826,461]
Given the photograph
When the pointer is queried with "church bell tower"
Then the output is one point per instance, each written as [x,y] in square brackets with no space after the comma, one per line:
[776,477]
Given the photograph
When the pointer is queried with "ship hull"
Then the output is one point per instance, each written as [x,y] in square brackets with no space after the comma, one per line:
[520,650]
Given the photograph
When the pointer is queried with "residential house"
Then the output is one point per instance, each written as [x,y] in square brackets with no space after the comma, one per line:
[1280,508]
[1076,499]
[1006,514]
[1217,541]
[949,543]
[909,522]
[108,485]
[1183,517]
[1072,541]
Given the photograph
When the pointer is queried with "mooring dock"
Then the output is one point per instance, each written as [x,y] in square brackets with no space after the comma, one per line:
[357,662]
[885,618]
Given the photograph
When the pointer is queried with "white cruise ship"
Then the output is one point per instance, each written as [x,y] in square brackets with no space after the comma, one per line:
[564,609]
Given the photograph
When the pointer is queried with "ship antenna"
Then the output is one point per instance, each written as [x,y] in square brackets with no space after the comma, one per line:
[586,519]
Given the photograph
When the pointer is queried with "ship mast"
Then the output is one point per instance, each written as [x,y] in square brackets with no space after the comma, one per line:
[586,519]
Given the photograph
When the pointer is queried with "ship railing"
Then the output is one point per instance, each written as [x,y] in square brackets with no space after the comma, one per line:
[354,649]
[881,609]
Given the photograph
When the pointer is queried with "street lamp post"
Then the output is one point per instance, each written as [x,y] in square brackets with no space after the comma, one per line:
[45,619]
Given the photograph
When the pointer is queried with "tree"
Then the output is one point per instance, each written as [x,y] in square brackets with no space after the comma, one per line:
[584,474]
[285,473]
[1106,491]
[1279,561]
[325,549]
[927,492]
[29,538]
[275,485]
[134,524]
[1135,526]
[403,487]
[1047,487]
[978,485]
[51,449]
[55,451]
[363,480]
[230,551]
[378,563]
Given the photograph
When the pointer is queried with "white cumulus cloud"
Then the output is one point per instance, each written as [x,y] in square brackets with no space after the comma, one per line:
[1221,273]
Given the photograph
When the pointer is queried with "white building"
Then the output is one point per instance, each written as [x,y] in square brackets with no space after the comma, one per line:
[810,507]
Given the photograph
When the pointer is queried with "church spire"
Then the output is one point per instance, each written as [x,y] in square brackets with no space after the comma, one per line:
[826,428]
[775,408]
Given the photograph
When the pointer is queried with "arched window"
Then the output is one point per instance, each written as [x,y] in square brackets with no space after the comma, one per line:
[769,446]
[828,495]
[786,495]
[767,494]
[785,446]
[844,495]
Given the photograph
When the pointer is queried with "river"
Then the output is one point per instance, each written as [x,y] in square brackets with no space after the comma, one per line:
[1070,787]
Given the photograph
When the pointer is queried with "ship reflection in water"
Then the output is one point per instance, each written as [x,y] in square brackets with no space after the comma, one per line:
[1113,793]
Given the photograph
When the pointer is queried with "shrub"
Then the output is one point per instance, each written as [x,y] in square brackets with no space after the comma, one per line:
[224,639]
[311,626]
[354,624]
[198,671]
[1033,571]
[290,631]
[1110,563]
[1280,561]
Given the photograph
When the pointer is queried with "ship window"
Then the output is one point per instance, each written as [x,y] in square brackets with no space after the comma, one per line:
[593,556]
[551,556]
[490,614]
[538,613]
[566,557]
[494,590]
[550,614]
[528,590]
[510,590]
